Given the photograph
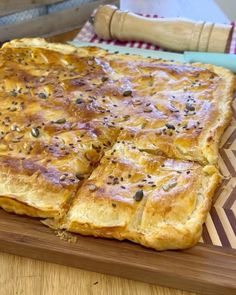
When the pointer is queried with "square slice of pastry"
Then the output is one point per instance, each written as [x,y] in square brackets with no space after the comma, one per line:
[40,175]
[151,200]
[179,110]
[51,135]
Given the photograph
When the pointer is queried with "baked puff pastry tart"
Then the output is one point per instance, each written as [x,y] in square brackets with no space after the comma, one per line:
[110,145]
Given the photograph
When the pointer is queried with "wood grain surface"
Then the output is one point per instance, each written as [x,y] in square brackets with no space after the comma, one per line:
[51,24]
[12,6]
[204,269]
[23,276]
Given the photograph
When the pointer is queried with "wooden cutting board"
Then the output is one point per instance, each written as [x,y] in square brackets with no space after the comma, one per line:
[204,268]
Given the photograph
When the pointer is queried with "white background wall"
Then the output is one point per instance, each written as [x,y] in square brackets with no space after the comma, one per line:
[211,10]
[229,7]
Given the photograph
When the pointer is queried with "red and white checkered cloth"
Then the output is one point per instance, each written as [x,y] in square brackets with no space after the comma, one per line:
[87,34]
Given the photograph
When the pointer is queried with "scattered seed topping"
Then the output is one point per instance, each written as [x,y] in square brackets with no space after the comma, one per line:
[170,126]
[15,128]
[127,93]
[61,121]
[147,110]
[138,195]
[42,95]
[79,176]
[90,62]
[35,132]
[137,102]
[62,177]
[115,181]
[13,93]
[92,187]
[79,100]
[17,139]
[126,117]
[87,157]
[189,107]
[166,187]
[104,79]
[12,109]
[42,79]
[143,125]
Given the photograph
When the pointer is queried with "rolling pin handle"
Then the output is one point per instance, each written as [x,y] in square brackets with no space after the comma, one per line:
[176,34]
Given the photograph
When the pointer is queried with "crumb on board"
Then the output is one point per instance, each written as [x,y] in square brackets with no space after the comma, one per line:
[66,236]
[62,234]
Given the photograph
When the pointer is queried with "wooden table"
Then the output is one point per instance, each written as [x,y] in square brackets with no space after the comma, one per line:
[23,276]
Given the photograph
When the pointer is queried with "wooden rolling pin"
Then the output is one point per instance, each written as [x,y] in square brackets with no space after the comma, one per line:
[176,34]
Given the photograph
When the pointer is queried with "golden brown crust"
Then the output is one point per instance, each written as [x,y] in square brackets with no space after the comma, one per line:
[28,187]
[51,133]
[62,48]
[176,198]
[176,109]
[63,107]
[223,98]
